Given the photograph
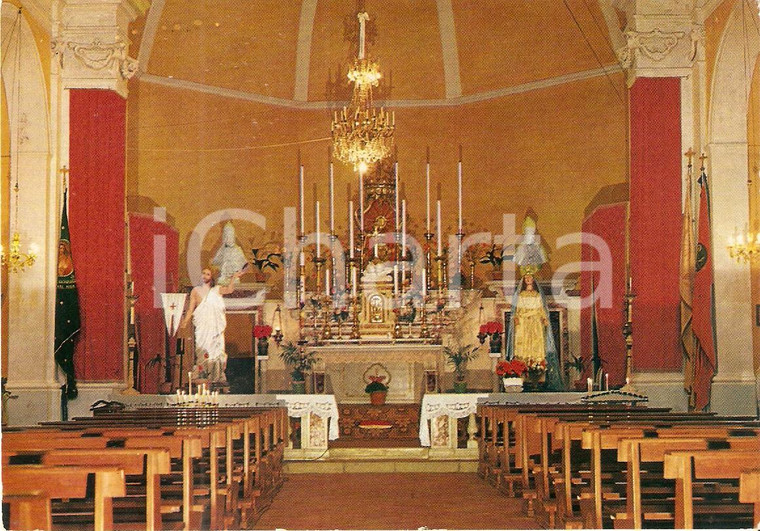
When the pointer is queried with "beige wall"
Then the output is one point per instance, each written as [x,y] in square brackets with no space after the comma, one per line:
[549,150]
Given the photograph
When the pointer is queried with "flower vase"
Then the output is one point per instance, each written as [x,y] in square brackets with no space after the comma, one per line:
[533,381]
[262,347]
[512,384]
[298,387]
[460,387]
[495,343]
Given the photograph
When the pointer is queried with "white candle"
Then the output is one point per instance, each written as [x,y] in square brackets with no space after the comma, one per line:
[189,382]
[424,285]
[332,201]
[403,229]
[361,203]
[351,229]
[395,279]
[395,171]
[438,226]
[427,195]
[300,198]
[316,229]
[459,192]
[590,384]
[606,381]
[353,281]
[327,281]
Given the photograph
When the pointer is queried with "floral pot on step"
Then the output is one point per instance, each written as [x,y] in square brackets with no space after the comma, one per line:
[298,388]
[377,398]
[513,384]
[460,387]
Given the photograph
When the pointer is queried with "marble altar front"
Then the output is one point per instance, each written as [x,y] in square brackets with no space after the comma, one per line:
[406,367]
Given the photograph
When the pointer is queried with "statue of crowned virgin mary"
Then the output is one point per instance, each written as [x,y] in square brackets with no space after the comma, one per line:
[530,338]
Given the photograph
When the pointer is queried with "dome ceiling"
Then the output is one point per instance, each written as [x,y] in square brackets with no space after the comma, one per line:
[430,52]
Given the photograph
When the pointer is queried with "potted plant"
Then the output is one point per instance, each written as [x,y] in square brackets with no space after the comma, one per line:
[495,257]
[458,356]
[300,363]
[377,390]
[492,329]
[261,333]
[511,373]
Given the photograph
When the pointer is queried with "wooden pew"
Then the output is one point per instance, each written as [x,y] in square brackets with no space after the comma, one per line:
[687,466]
[69,482]
[749,492]
[30,510]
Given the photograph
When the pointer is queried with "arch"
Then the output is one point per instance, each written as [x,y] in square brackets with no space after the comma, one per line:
[727,166]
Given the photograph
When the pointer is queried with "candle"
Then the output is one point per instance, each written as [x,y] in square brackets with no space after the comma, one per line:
[361,203]
[459,189]
[395,279]
[189,382]
[353,281]
[438,226]
[300,198]
[395,171]
[316,229]
[424,285]
[327,281]
[606,381]
[351,229]
[332,201]
[403,242]
[427,193]
[590,384]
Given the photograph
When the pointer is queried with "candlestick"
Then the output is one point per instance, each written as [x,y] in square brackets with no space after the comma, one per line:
[438,226]
[427,192]
[316,229]
[459,188]
[301,198]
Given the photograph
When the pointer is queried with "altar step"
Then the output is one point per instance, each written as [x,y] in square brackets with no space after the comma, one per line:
[380,460]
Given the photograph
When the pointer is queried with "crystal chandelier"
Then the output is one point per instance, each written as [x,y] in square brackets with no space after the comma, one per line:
[744,247]
[14,259]
[363,135]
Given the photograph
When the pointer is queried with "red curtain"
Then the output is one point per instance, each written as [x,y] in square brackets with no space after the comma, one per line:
[152,244]
[655,194]
[608,223]
[96,221]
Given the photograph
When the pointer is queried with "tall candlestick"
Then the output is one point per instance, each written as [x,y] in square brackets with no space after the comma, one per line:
[300,199]
[316,229]
[459,188]
[332,201]
[351,245]
[438,226]
[427,192]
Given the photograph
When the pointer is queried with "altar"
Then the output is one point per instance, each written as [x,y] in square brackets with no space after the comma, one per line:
[409,369]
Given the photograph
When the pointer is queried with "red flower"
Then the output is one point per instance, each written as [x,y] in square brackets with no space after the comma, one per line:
[378,379]
[205,355]
[511,368]
[492,327]
[260,331]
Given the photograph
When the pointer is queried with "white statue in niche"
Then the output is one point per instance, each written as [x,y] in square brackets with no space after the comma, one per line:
[229,258]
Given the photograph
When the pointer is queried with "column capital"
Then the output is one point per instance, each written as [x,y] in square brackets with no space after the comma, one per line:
[90,43]
[662,38]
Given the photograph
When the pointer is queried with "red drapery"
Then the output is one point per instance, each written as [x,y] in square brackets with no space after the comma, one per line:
[608,223]
[154,253]
[655,225]
[96,221]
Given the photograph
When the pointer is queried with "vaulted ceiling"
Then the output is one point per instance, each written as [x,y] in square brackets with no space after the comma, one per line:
[430,52]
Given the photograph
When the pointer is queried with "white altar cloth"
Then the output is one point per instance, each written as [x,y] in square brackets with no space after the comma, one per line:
[454,405]
[324,406]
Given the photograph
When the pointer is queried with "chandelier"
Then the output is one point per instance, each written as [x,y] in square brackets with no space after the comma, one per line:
[744,247]
[363,135]
[16,260]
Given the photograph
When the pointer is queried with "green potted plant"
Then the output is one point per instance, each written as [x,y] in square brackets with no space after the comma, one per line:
[300,362]
[458,356]
[377,390]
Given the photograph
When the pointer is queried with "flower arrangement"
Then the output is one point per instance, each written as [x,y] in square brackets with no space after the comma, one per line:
[536,365]
[491,327]
[262,331]
[510,369]
[376,384]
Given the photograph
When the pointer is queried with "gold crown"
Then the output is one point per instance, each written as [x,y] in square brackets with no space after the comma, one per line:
[529,269]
